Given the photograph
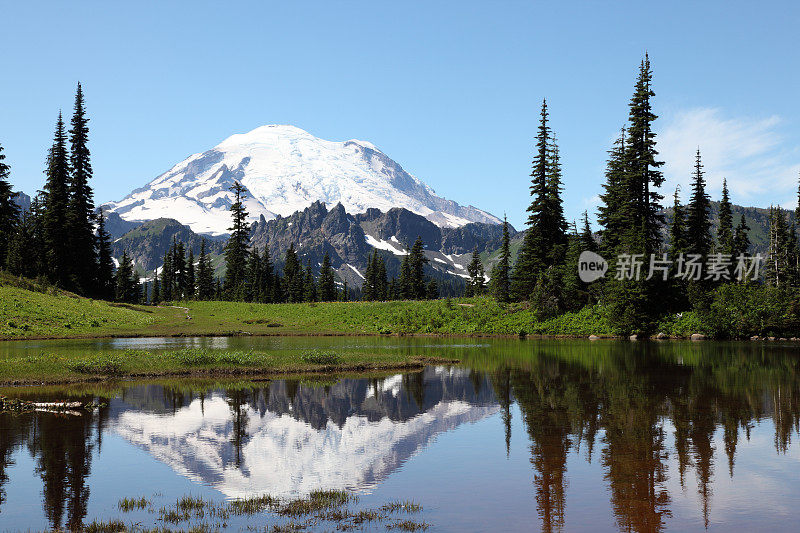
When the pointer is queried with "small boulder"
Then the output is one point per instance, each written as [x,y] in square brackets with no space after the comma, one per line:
[698,337]
[593,337]
[755,338]
[635,337]
[662,336]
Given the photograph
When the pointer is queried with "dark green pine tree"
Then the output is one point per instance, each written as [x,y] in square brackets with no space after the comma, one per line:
[741,239]
[179,260]
[255,273]
[125,283]
[267,277]
[80,209]
[501,273]
[381,281]
[156,297]
[293,276]
[556,222]
[21,255]
[368,293]
[725,231]
[476,285]
[345,297]
[698,225]
[9,212]
[205,274]
[167,276]
[575,296]
[310,293]
[643,176]
[105,263]
[327,283]
[532,259]
[417,261]
[587,241]
[677,227]
[191,281]
[405,285]
[615,209]
[432,290]
[56,237]
[236,248]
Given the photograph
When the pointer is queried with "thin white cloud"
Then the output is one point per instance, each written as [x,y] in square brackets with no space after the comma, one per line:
[750,152]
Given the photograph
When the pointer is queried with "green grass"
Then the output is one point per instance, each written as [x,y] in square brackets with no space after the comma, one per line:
[64,367]
[28,309]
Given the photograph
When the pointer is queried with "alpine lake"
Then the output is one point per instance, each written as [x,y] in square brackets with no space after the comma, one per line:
[522,435]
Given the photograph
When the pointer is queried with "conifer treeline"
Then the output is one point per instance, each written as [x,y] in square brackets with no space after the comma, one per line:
[60,238]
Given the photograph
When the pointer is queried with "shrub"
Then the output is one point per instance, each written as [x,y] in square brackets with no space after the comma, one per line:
[316,357]
[109,365]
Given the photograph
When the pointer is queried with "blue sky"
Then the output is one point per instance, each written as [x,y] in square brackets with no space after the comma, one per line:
[450,90]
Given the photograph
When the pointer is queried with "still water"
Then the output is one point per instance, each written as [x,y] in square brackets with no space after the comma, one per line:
[524,436]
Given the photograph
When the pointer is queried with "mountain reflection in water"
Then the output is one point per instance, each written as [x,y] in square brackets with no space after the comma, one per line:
[648,414]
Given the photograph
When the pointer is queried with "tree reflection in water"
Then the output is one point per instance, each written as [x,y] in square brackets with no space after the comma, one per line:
[639,404]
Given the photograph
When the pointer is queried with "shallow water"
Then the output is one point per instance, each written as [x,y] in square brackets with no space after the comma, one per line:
[525,435]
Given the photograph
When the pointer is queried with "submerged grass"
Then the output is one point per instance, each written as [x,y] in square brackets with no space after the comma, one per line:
[319,509]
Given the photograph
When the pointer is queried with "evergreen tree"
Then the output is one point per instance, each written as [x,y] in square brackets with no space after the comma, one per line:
[156,289]
[432,290]
[368,292]
[105,263]
[615,210]
[381,281]
[698,225]
[127,286]
[191,282]
[677,229]
[293,276]
[310,284]
[55,210]
[642,175]
[167,275]
[255,273]
[267,277]
[80,209]
[501,274]
[236,248]
[417,261]
[9,212]
[574,294]
[405,288]
[20,258]
[345,292]
[725,231]
[205,274]
[587,237]
[741,238]
[327,283]
[477,279]
[179,260]
[544,241]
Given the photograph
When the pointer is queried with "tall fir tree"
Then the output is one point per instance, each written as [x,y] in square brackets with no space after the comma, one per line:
[127,286]
[405,284]
[544,240]
[725,231]
[418,261]
[501,273]
[9,212]
[741,239]
[236,248]
[310,293]
[698,225]
[167,276]
[56,233]
[80,209]
[255,273]
[643,177]
[677,227]
[105,263]
[20,256]
[587,241]
[345,297]
[476,285]
[327,283]
[191,281]
[293,276]
[267,277]
[156,297]
[616,208]
[205,274]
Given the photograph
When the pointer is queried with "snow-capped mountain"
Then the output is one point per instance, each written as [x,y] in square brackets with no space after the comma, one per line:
[286,169]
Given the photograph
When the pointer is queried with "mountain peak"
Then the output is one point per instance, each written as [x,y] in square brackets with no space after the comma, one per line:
[286,169]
